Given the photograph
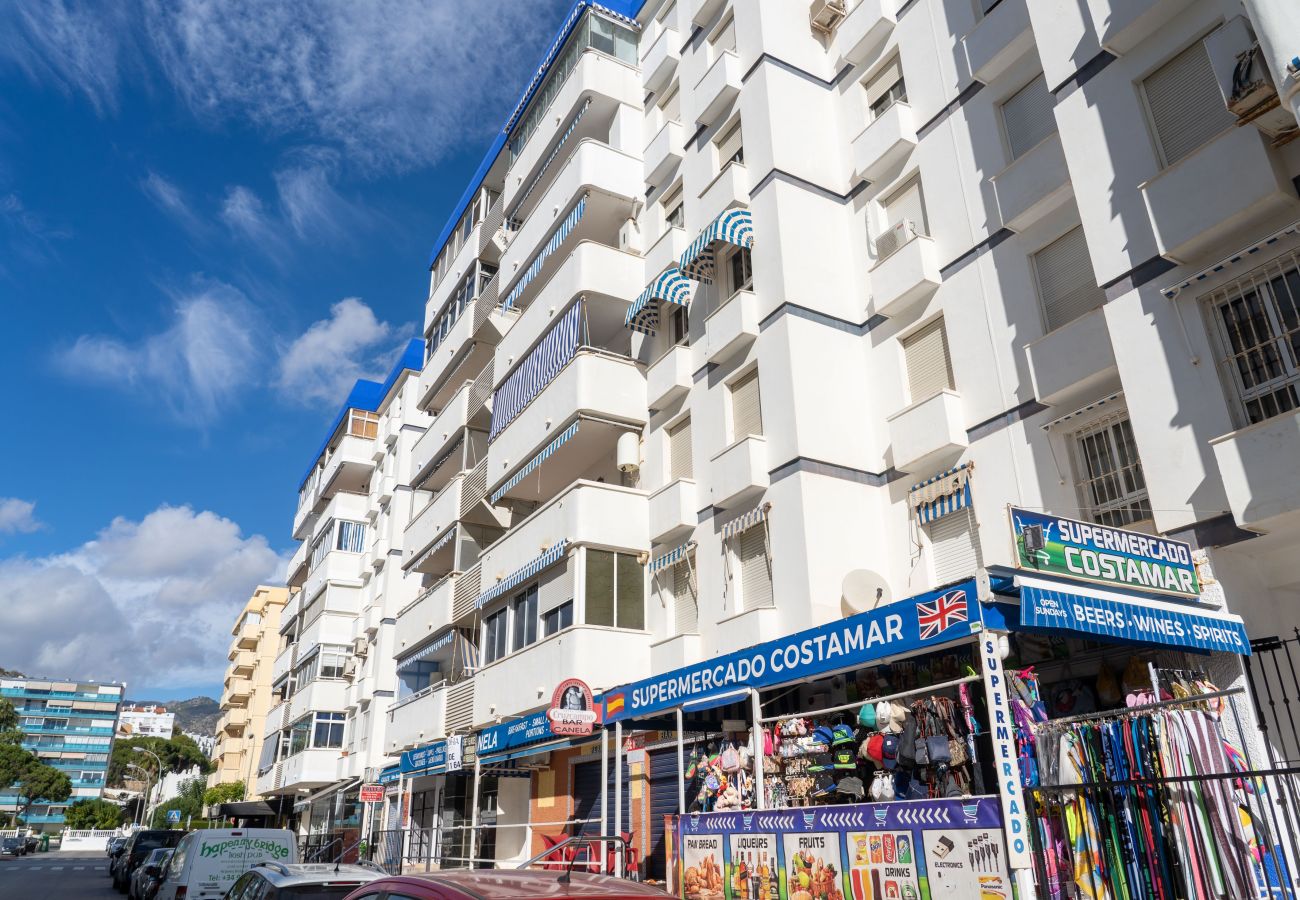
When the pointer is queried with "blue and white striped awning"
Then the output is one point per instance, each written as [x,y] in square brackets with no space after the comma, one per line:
[437,545]
[537,370]
[535,462]
[745,522]
[670,287]
[566,228]
[945,493]
[547,559]
[537,179]
[672,557]
[427,650]
[734,226]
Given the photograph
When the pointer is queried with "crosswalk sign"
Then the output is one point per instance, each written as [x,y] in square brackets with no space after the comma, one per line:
[173,815]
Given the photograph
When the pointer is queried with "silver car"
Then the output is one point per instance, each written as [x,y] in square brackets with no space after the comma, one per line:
[318,881]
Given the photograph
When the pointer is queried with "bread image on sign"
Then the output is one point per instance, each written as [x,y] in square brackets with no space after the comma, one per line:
[573,709]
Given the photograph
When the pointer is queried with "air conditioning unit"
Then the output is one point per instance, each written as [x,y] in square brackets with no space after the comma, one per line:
[350,668]
[894,238]
[360,647]
[629,237]
[1248,87]
[824,15]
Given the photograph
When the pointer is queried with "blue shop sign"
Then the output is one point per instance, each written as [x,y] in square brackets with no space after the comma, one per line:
[389,775]
[507,735]
[924,621]
[426,760]
[1149,623]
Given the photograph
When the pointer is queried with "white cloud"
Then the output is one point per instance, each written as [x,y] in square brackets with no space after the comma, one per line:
[74,46]
[18,516]
[321,364]
[169,197]
[196,368]
[309,206]
[150,602]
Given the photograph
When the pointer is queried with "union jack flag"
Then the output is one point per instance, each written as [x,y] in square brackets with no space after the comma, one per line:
[938,616]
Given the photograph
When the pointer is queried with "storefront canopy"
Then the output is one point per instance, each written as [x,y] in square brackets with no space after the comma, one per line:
[431,759]
[733,226]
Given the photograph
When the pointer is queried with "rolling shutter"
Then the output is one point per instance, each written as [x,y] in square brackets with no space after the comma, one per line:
[1028,118]
[587,796]
[1185,103]
[746,414]
[663,802]
[1067,286]
[954,547]
[755,568]
[685,609]
[907,205]
[929,370]
[882,81]
[679,451]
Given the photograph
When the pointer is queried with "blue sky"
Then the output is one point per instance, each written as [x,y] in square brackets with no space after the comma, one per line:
[214,216]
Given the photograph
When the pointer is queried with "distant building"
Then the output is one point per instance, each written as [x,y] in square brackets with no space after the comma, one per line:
[70,726]
[207,743]
[145,720]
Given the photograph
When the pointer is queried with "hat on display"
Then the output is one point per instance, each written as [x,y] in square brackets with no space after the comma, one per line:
[867,716]
[882,713]
[823,735]
[852,786]
[898,714]
[875,746]
[889,750]
[841,734]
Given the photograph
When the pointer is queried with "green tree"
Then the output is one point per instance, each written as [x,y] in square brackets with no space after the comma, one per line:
[14,760]
[230,792]
[9,733]
[40,783]
[93,813]
[179,754]
[189,801]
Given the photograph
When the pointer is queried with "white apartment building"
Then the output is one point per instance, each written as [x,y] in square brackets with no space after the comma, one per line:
[742,281]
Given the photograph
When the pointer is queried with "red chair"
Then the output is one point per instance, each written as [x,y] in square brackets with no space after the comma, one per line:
[631,858]
[558,857]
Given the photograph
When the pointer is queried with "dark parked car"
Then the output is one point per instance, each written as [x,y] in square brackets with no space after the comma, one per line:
[115,845]
[301,881]
[145,880]
[31,842]
[138,846]
[508,884]
[12,846]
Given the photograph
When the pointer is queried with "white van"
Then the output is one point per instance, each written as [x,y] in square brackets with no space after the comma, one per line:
[208,861]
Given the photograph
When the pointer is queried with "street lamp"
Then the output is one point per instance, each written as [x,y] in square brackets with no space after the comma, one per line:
[158,780]
[148,778]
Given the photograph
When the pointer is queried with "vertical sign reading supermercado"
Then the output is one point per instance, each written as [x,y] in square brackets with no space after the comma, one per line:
[1002,725]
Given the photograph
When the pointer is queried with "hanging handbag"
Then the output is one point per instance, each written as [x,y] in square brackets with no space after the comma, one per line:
[922,749]
[730,759]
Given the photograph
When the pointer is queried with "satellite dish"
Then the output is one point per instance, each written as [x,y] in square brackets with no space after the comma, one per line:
[864,590]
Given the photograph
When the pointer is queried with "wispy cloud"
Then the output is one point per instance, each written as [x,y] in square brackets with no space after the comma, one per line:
[27,233]
[168,197]
[320,365]
[77,47]
[18,516]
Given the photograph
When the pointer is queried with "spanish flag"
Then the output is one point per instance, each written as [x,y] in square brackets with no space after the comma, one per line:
[613,705]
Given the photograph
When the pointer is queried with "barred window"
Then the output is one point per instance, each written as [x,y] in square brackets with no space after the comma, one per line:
[1112,488]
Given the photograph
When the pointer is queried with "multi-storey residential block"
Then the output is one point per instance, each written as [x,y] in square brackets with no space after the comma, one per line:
[247,696]
[68,725]
[145,720]
[752,304]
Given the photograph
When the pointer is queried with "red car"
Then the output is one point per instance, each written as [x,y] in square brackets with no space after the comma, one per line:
[511,884]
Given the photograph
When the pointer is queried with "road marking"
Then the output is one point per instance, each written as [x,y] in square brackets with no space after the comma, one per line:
[78,868]
[55,868]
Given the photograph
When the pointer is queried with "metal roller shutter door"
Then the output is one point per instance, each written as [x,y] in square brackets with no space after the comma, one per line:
[663,802]
[587,796]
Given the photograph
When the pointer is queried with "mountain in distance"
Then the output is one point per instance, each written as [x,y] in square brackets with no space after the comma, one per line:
[197,715]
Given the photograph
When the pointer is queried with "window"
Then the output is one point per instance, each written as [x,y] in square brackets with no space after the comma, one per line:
[1112,489]
[362,423]
[685,606]
[755,568]
[954,546]
[351,537]
[674,216]
[524,610]
[615,590]
[724,38]
[731,146]
[494,636]
[1185,104]
[1027,117]
[679,451]
[1257,320]
[904,212]
[1067,287]
[557,619]
[746,413]
[885,88]
[329,730]
[740,270]
[679,326]
[670,107]
[925,354]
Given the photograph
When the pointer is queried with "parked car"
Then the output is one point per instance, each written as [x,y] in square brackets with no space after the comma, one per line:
[319,881]
[115,845]
[31,842]
[138,846]
[208,861]
[504,884]
[145,879]
[12,846]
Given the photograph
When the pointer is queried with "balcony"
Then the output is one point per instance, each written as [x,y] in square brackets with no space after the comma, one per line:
[1251,188]
[672,510]
[297,568]
[669,378]
[739,472]
[419,621]
[664,152]
[348,467]
[1074,361]
[676,652]
[998,40]
[1033,185]
[908,275]
[337,567]
[729,188]
[248,635]
[732,327]
[417,719]
[665,251]
[321,695]
[863,32]
[234,720]
[1122,24]
[660,59]
[522,681]
[307,770]
[1261,472]
[593,383]
[238,690]
[704,11]
[719,87]
[242,662]
[448,427]
[885,143]
[465,350]
[928,433]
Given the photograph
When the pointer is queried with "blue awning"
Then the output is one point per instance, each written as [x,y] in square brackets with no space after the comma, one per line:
[521,752]
[536,461]
[566,228]
[724,699]
[545,560]
[945,493]
[670,287]
[426,651]
[672,557]
[745,522]
[538,178]
[537,370]
[438,545]
[734,226]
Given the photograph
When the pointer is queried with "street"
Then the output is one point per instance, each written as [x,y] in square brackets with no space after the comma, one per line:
[55,876]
